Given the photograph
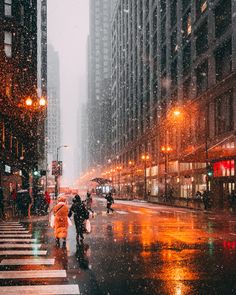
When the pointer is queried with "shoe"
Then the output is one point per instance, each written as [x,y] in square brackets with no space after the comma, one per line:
[58,242]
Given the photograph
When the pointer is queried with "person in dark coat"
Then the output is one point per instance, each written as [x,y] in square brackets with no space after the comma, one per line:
[23,201]
[110,201]
[89,202]
[80,214]
[1,203]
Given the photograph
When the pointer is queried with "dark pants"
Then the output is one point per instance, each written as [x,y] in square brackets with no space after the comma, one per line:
[79,225]
[109,208]
[1,210]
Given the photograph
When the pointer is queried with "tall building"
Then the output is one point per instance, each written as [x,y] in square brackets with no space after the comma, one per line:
[99,78]
[53,114]
[167,55]
[20,109]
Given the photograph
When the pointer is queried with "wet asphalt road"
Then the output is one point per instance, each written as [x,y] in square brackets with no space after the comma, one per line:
[143,249]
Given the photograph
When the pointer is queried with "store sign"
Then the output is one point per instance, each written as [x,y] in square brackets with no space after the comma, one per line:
[224,168]
[7,169]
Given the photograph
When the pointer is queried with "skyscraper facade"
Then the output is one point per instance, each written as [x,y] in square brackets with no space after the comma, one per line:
[99,78]
[169,55]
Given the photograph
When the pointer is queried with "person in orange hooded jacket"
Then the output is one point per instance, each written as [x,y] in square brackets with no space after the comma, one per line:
[60,212]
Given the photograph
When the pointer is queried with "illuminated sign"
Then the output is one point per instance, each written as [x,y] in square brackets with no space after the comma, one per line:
[224,168]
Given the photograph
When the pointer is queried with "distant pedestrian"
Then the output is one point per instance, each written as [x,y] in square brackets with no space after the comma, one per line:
[89,202]
[80,215]
[47,201]
[206,200]
[23,201]
[110,201]
[1,203]
[60,212]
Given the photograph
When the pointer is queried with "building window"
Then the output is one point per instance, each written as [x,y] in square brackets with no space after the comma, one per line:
[8,7]
[174,43]
[8,85]
[222,17]
[223,59]
[186,58]
[173,12]
[187,88]
[202,77]
[224,115]
[201,7]
[202,39]
[185,4]
[174,75]
[187,27]
[8,44]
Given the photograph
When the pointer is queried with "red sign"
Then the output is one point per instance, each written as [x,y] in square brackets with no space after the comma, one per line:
[224,168]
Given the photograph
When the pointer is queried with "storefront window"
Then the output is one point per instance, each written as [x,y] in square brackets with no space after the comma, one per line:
[224,168]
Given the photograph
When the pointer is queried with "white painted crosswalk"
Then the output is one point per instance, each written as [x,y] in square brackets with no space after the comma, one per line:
[31,261]
[13,232]
[19,246]
[16,241]
[10,235]
[35,252]
[41,290]
[31,274]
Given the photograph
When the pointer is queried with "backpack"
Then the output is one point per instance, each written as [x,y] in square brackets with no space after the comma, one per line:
[85,213]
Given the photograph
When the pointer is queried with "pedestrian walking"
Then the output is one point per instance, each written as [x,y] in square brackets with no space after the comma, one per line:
[207,201]
[1,203]
[47,199]
[80,215]
[23,202]
[110,201]
[89,202]
[60,212]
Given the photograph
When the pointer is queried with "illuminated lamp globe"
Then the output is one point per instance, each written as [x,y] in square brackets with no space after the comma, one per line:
[42,101]
[29,102]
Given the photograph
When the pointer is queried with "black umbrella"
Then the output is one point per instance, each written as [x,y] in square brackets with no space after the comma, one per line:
[101,181]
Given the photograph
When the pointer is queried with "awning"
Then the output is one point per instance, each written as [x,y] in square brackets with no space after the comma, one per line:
[215,151]
[101,181]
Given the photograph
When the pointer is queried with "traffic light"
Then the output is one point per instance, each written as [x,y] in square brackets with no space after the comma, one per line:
[210,171]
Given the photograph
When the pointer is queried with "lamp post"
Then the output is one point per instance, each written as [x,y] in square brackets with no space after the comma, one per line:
[131,164]
[166,150]
[145,158]
[119,168]
[57,170]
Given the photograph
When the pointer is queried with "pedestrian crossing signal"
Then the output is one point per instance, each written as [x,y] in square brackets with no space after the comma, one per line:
[210,172]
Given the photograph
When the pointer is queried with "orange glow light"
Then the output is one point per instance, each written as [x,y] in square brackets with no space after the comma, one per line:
[29,102]
[42,101]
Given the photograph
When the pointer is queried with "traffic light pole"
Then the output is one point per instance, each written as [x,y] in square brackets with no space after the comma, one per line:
[206,150]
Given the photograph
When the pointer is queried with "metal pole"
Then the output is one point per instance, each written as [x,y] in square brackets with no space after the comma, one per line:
[56,176]
[145,179]
[166,174]
[206,149]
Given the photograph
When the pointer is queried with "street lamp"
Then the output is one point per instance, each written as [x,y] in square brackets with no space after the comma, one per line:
[57,170]
[145,158]
[119,168]
[131,164]
[166,150]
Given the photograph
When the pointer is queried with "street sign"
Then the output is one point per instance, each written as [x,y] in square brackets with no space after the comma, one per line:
[57,168]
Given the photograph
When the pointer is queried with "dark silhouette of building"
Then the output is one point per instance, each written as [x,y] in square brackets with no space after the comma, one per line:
[20,111]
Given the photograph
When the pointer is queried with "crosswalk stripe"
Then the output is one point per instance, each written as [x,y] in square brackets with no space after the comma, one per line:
[41,289]
[8,240]
[122,212]
[136,212]
[12,228]
[32,274]
[35,252]
[33,261]
[10,235]
[19,246]
[14,232]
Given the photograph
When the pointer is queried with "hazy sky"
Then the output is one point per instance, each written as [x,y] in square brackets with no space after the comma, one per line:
[68,28]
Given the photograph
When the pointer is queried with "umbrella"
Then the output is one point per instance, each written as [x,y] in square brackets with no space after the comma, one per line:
[101,181]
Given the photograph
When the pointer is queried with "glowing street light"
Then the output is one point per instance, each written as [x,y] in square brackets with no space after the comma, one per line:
[145,158]
[29,101]
[42,102]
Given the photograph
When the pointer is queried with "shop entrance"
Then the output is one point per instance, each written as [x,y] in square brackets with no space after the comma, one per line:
[222,190]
